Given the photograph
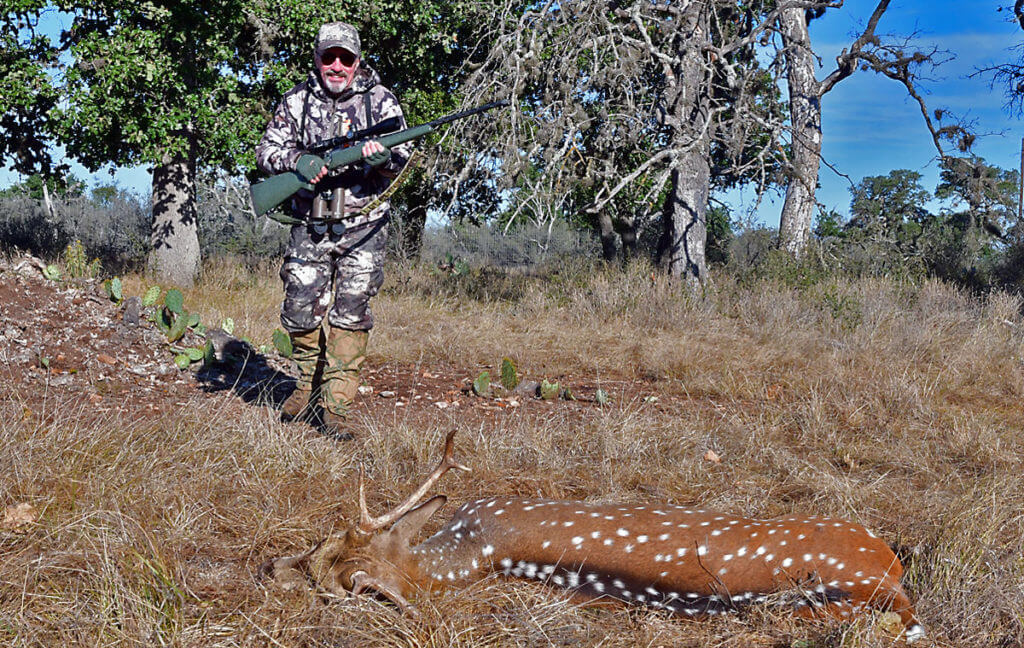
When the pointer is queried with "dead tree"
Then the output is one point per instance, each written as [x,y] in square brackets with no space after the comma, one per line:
[625,111]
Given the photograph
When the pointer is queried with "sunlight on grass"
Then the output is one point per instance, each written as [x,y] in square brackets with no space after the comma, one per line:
[894,405]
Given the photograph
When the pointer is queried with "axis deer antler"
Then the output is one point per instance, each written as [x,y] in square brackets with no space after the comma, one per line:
[368,524]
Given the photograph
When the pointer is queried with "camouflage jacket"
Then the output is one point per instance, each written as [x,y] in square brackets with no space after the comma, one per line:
[308,114]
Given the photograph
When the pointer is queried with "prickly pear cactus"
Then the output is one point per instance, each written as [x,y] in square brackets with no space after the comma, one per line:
[174,301]
[509,374]
[152,296]
[283,343]
[482,384]
[549,391]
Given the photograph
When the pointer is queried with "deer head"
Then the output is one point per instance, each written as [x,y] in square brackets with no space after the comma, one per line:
[369,556]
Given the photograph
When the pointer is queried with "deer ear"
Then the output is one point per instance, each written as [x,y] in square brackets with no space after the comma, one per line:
[407,525]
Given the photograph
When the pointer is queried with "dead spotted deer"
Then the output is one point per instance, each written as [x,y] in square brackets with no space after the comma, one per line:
[682,560]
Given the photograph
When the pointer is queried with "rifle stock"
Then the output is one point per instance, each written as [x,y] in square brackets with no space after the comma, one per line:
[273,191]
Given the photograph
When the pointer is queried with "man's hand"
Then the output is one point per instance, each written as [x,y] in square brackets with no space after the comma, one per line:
[311,167]
[375,154]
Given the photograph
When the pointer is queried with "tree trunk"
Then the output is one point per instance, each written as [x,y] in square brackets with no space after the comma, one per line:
[174,257]
[606,230]
[684,224]
[684,217]
[805,108]
[627,233]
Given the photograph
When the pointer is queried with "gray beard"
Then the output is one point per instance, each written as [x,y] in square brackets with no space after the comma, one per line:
[335,86]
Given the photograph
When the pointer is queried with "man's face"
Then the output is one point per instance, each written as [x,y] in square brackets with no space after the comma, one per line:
[337,68]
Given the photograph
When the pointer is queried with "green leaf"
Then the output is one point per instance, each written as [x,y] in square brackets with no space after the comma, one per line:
[152,296]
[228,325]
[568,395]
[549,391]
[182,360]
[116,289]
[509,374]
[193,320]
[283,343]
[174,300]
[601,396]
[482,384]
[51,272]
[195,354]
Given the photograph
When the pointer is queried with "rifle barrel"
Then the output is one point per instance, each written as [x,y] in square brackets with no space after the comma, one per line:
[273,191]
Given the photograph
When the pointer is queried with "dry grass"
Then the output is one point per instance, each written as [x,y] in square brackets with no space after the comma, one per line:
[894,405]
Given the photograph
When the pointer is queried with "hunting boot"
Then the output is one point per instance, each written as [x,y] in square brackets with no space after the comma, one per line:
[346,351]
[308,356]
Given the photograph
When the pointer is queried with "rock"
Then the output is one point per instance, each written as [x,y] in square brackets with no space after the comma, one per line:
[531,387]
[132,311]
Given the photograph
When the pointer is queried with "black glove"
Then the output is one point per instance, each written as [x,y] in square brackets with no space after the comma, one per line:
[308,166]
[377,159]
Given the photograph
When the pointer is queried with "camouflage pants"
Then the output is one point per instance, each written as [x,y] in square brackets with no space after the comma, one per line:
[321,267]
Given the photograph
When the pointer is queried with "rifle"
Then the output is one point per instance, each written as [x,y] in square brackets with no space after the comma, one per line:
[273,191]
[389,125]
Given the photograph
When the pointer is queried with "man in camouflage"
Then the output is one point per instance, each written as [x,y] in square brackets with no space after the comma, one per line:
[336,252]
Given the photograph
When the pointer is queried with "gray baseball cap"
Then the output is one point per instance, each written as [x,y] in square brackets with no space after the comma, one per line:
[338,34]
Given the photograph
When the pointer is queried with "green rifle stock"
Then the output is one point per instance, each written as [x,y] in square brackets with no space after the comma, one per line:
[273,191]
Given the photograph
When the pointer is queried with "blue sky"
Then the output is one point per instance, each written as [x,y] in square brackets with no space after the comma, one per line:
[870,126]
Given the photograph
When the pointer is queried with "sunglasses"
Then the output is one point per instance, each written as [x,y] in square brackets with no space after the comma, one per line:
[347,58]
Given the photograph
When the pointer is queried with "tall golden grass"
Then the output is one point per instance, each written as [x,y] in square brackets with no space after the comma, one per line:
[895,405]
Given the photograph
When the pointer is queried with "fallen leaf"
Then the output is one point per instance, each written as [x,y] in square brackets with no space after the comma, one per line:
[107,360]
[18,515]
[712,456]
[95,398]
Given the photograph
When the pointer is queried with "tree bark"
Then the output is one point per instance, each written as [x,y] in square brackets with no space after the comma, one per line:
[174,256]
[684,216]
[805,96]
[606,231]
[805,112]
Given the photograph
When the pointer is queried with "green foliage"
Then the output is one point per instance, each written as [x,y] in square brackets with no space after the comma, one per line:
[828,224]
[601,397]
[719,235]
[845,309]
[77,264]
[509,374]
[61,187]
[27,93]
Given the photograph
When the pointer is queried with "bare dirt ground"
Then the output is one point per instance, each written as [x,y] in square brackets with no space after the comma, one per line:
[68,342]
